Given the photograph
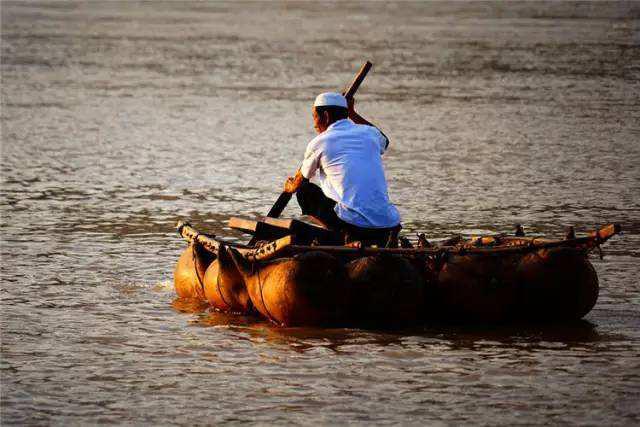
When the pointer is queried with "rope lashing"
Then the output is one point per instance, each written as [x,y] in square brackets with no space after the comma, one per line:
[256,270]
[195,263]
[222,248]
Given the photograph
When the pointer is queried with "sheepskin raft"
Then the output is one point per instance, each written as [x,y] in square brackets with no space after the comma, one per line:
[294,281]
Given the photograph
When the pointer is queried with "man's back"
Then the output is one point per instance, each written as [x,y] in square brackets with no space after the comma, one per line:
[347,157]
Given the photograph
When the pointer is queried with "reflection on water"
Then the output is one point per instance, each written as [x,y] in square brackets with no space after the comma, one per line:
[569,334]
[120,118]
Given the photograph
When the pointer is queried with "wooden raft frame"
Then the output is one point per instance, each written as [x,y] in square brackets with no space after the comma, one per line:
[286,245]
[214,244]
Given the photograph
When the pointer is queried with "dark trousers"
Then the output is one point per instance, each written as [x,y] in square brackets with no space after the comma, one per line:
[313,202]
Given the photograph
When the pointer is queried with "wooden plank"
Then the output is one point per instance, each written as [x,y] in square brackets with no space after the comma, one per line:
[258,227]
[284,223]
[308,231]
[266,228]
[245,225]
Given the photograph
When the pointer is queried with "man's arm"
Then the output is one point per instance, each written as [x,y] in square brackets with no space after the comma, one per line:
[308,169]
[358,119]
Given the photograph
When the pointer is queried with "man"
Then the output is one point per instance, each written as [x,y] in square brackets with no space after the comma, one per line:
[345,158]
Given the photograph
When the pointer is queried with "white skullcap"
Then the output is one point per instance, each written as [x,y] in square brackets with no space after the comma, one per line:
[330,99]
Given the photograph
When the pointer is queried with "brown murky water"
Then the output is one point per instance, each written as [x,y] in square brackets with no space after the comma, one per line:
[120,118]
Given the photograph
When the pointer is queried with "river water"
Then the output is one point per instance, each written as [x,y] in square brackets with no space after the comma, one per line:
[118,119]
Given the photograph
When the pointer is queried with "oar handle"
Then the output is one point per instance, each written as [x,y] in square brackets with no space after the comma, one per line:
[357,81]
[280,204]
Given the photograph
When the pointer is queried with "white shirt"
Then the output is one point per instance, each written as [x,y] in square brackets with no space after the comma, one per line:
[346,159]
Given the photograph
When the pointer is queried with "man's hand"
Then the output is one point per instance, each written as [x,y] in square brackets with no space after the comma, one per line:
[355,117]
[292,183]
[358,119]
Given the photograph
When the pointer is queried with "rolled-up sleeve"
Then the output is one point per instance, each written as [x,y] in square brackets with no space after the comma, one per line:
[311,161]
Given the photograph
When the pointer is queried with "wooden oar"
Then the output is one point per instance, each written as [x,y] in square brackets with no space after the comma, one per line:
[280,204]
[284,198]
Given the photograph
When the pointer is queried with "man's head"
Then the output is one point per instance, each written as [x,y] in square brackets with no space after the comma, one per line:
[329,107]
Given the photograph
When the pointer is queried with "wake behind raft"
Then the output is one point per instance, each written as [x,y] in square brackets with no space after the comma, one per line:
[299,276]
